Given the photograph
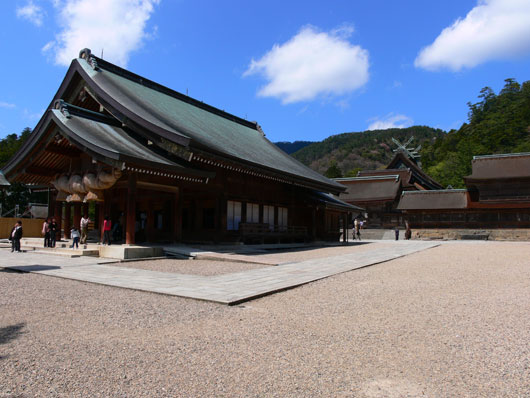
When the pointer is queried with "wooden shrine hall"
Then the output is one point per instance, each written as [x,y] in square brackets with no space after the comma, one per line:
[379,191]
[497,196]
[167,167]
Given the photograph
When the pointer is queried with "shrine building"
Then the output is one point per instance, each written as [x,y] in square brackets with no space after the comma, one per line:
[169,168]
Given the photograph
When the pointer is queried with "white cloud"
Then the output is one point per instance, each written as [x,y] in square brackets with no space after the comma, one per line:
[390,121]
[32,12]
[494,29]
[117,27]
[312,64]
[7,105]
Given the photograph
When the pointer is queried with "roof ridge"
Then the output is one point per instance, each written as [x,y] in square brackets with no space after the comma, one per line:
[426,191]
[501,155]
[101,63]
[364,178]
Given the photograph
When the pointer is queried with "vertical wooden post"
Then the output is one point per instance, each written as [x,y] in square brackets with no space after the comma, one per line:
[131,209]
[58,218]
[97,212]
[101,215]
[344,228]
[77,215]
[67,215]
[177,217]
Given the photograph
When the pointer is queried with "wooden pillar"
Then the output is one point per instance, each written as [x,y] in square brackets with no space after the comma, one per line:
[77,215]
[344,227]
[67,215]
[97,213]
[101,215]
[177,217]
[131,209]
[58,218]
[51,202]
[314,222]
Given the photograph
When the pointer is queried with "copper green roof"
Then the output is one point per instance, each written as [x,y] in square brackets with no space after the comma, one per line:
[3,180]
[190,123]
[113,143]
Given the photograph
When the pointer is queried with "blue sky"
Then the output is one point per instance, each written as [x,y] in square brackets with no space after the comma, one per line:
[303,69]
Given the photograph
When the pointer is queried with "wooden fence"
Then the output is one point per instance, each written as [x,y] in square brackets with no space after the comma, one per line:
[32,227]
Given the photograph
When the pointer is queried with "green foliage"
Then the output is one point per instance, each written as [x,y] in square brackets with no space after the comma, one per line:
[497,124]
[16,194]
[367,150]
[11,144]
[333,171]
[352,172]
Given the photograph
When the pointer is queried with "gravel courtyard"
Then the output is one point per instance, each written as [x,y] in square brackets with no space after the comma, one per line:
[452,321]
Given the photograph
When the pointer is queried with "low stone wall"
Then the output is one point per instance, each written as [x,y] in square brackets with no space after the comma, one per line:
[470,234]
[32,227]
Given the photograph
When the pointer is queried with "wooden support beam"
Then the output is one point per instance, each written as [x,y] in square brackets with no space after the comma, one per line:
[177,216]
[59,150]
[58,214]
[67,215]
[42,171]
[131,209]
[77,215]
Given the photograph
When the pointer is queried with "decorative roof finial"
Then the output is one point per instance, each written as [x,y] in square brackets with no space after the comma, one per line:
[62,106]
[86,54]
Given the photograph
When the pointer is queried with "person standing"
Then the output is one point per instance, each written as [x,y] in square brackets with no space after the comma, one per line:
[74,234]
[356,229]
[46,232]
[15,236]
[84,228]
[396,231]
[107,226]
[53,232]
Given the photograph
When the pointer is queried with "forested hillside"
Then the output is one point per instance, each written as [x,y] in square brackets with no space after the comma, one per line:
[291,147]
[498,123]
[10,145]
[345,154]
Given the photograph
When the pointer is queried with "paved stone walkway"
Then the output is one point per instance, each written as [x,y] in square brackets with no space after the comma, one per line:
[226,289]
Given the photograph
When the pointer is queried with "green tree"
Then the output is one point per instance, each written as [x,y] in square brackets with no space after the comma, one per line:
[333,170]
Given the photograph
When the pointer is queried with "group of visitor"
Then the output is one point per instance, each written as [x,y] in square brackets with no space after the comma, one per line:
[358,224]
[49,231]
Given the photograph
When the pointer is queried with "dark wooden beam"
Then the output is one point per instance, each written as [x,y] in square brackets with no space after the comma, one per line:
[131,209]
[42,171]
[59,150]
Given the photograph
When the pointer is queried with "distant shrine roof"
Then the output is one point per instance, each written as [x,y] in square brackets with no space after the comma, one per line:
[431,200]
[501,166]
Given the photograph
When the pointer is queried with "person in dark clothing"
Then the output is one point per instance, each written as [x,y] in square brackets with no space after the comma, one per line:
[15,236]
[53,232]
[396,230]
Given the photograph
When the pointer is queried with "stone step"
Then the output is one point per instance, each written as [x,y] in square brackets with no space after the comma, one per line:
[68,252]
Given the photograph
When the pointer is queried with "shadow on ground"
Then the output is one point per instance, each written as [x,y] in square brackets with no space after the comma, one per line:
[9,333]
[32,268]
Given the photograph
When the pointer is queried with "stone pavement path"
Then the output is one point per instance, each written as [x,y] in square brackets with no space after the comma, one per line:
[226,289]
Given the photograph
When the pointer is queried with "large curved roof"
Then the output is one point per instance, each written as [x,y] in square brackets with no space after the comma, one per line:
[190,123]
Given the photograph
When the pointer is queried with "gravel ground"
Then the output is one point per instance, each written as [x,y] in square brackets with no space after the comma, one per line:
[452,321]
[191,267]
